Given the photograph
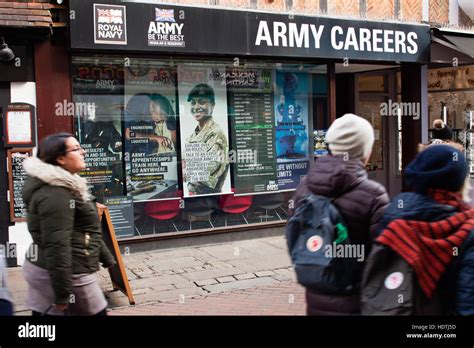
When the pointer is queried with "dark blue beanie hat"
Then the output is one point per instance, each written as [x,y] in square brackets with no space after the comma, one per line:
[437,167]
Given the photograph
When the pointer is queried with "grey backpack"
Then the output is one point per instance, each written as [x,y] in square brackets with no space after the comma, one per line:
[389,287]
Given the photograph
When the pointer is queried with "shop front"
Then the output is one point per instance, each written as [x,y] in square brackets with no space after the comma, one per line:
[451,86]
[200,120]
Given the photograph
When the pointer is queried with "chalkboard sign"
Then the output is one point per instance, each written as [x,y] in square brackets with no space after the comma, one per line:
[117,273]
[16,180]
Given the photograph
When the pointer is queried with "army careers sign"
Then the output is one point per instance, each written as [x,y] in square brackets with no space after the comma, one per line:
[97,25]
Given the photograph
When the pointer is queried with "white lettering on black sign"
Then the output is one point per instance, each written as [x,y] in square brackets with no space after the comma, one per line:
[164,31]
[280,34]
[110,24]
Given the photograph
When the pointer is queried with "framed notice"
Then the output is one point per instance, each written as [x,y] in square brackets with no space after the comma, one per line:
[16,180]
[19,125]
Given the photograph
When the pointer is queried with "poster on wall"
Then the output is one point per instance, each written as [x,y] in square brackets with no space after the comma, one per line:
[98,104]
[291,123]
[150,121]
[321,147]
[16,181]
[204,130]
[251,117]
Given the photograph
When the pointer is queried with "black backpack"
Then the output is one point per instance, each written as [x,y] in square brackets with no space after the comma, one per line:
[313,233]
[389,287]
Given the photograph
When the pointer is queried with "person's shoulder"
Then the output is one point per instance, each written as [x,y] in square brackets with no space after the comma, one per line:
[373,187]
[215,129]
[53,193]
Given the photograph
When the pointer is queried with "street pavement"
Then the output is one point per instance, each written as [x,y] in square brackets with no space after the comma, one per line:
[249,277]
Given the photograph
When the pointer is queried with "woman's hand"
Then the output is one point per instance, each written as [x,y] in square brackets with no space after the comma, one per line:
[162,141]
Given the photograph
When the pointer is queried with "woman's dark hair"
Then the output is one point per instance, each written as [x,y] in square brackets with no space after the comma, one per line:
[53,146]
[165,105]
[138,108]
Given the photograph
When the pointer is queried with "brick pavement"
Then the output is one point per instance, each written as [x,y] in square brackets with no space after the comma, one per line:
[162,276]
[284,298]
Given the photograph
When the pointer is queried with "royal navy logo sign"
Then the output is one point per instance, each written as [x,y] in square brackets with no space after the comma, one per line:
[110,24]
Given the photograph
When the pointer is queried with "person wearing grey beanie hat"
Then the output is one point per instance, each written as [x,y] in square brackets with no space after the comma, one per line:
[342,177]
[351,135]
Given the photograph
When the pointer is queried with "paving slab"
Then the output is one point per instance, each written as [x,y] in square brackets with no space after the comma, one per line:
[239,284]
[277,242]
[212,273]
[262,263]
[225,252]
[159,281]
[258,247]
[245,276]
[206,282]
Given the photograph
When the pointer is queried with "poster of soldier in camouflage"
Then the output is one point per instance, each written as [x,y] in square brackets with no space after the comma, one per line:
[150,122]
[204,130]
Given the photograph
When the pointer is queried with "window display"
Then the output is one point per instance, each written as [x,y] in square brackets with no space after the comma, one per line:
[451,98]
[150,123]
[180,139]
[204,131]
[292,133]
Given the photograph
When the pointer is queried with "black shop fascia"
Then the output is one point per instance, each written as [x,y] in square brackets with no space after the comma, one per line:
[143,27]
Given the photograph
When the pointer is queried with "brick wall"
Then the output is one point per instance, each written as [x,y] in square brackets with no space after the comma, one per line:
[272,5]
[306,6]
[408,10]
[464,20]
[411,10]
[22,13]
[344,8]
[439,11]
[377,9]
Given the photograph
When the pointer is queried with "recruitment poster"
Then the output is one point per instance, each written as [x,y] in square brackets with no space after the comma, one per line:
[98,103]
[204,130]
[291,121]
[150,122]
[251,114]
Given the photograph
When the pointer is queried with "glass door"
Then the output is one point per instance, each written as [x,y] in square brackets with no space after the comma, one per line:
[376,94]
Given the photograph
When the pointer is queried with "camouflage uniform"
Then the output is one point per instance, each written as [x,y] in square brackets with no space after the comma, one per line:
[212,135]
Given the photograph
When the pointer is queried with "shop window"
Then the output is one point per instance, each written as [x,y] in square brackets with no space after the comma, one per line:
[197,144]
[451,98]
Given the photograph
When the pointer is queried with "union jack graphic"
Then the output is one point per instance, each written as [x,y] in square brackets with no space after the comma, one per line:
[162,15]
[109,16]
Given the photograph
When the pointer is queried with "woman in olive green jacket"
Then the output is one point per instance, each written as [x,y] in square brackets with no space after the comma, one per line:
[64,225]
